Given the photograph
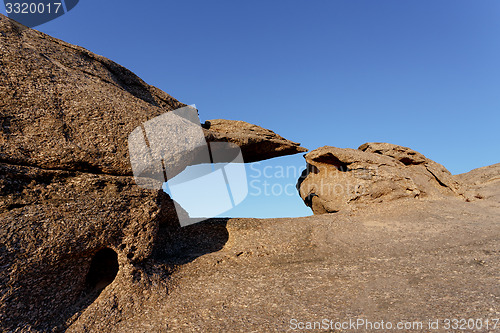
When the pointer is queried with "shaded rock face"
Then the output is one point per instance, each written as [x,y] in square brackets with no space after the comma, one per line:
[336,178]
[75,229]
[53,225]
[256,143]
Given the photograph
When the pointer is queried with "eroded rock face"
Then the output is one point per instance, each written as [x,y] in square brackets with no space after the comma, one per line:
[53,223]
[336,178]
[83,249]
[63,107]
[75,229]
[415,160]
[482,183]
[256,143]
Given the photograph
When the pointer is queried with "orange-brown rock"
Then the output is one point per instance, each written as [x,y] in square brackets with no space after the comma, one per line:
[336,178]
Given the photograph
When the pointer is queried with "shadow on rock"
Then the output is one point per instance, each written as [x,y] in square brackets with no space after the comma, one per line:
[176,245]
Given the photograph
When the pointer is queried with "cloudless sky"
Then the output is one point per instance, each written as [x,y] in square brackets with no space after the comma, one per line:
[422,74]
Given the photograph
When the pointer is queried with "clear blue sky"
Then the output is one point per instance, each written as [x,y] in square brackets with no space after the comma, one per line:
[423,74]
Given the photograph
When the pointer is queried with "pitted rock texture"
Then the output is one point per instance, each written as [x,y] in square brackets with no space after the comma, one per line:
[336,178]
[256,143]
[83,249]
[63,107]
[53,223]
[75,229]
[402,260]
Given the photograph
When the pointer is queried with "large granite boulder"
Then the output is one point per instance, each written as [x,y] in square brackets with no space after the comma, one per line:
[337,178]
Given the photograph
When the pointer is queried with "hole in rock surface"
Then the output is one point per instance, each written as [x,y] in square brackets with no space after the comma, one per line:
[103,269]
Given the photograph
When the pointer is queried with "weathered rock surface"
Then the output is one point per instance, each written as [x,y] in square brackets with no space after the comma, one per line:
[481,176]
[52,224]
[404,260]
[83,249]
[72,219]
[256,143]
[400,261]
[482,183]
[416,161]
[63,107]
[376,172]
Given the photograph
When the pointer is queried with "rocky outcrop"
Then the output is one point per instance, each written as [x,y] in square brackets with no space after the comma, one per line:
[256,143]
[84,249]
[336,178]
[72,219]
[416,162]
[63,107]
[482,184]
[482,175]
[402,260]
[53,225]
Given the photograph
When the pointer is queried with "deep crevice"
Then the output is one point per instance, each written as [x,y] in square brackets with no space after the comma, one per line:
[437,179]
[102,272]
[87,168]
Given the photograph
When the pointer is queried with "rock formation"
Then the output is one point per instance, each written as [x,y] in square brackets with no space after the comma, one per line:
[336,178]
[70,212]
[66,108]
[84,249]
[256,143]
